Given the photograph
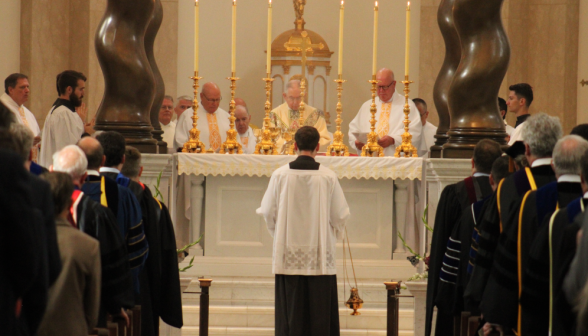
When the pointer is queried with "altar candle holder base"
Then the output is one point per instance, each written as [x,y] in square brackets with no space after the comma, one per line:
[194,145]
[372,147]
[338,148]
[406,146]
[267,145]
[232,146]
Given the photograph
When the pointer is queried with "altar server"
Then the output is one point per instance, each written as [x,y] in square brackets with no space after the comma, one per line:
[16,93]
[165,121]
[246,137]
[305,211]
[429,130]
[503,110]
[287,116]
[389,116]
[519,100]
[213,122]
[66,121]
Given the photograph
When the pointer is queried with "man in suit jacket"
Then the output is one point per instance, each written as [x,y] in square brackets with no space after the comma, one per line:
[74,299]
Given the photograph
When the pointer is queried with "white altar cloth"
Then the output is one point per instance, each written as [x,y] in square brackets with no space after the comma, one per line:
[264,165]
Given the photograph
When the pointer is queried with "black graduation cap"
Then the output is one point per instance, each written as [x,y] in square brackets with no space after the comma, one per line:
[517,148]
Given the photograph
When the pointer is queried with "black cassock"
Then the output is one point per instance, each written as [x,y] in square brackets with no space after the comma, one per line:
[549,259]
[454,199]
[500,297]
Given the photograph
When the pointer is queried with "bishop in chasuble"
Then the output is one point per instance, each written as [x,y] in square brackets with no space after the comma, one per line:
[213,122]
[287,115]
[389,116]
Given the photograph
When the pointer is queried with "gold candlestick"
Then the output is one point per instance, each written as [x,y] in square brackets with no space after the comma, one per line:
[406,147]
[267,145]
[372,145]
[232,146]
[338,148]
[301,110]
[194,145]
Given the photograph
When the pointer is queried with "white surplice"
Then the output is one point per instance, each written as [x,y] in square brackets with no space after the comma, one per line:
[184,125]
[30,117]
[251,141]
[517,135]
[509,129]
[169,131]
[305,212]
[361,122]
[62,127]
[427,138]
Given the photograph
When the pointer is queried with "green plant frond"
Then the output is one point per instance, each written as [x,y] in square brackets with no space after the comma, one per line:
[189,265]
[190,245]
[158,193]
[408,247]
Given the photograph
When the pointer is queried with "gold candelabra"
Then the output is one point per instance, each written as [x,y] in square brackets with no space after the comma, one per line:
[372,145]
[338,148]
[406,147]
[194,145]
[232,146]
[267,145]
[301,110]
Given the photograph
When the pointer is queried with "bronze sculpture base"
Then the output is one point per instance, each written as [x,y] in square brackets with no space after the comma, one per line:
[463,140]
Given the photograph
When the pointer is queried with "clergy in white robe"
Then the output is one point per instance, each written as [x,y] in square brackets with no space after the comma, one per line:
[64,125]
[389,116]
[246,137]
[503,107]
[429,130]
[287,116]
[305,211]
[213,122]
[165,121]
[519,100]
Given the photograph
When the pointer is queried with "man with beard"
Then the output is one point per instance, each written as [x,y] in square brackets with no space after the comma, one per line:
[66,122]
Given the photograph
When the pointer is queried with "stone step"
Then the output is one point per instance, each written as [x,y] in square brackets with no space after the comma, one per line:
[263,317]
[234,331]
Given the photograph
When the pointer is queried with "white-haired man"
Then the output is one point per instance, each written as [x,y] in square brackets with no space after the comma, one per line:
[287,116]
[165,120]
[246,137]
[183,103]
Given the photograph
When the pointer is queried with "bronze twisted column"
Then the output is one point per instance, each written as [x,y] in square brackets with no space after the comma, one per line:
[150,35]
[446,74]
[128,79]
[485,53]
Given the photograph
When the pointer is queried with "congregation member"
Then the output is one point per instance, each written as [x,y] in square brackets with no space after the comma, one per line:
[160,280]
[389,116]
[16,94]
[429,130]
[116,291]
[74,299]
[183,103]
[305,241]
[213,122]
[518,101]
[549,257]
[165,121]
[121,201]
[540,134]
[246,137]
[287,116]
[503,110]
[454,200]
[66,121]
[25,140]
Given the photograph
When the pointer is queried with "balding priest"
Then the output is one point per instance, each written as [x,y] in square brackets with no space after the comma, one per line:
[389,116]
[246,137]
[213,121]
[287,115]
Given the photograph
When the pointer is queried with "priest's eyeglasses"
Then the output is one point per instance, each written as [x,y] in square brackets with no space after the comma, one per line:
[294,99]
[386,87]
[213,100]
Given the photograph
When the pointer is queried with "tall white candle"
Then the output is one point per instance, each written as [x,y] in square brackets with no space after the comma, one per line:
[407,48]
[375,51]
[341,15]
[234,38]
[269,38]
[196,33]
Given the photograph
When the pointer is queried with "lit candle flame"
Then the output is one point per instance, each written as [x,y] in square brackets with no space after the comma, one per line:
[342,2]
[408,5]
[376,4]
[196,2]
[270,2]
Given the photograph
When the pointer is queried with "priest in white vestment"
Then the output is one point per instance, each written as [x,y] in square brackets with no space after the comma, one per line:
[246,137]
[519,99]
[287,116]
[16,93]
[305,211]
[429,130]
[165,121]
[213,122]
[389,116]
[66,121]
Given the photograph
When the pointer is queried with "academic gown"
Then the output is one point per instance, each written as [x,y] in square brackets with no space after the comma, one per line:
[503,309]
[454,199]
[549,260]
[127,210]
[100,223]
[157,297]
[63,127]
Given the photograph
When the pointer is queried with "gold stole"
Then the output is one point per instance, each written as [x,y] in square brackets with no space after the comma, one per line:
[214,136]
[384,126]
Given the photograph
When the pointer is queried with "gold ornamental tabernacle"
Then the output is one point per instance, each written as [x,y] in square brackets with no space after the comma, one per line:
[338,148]
[194,145]
[267,145]
[372,147]
[232,146]
[406,147]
